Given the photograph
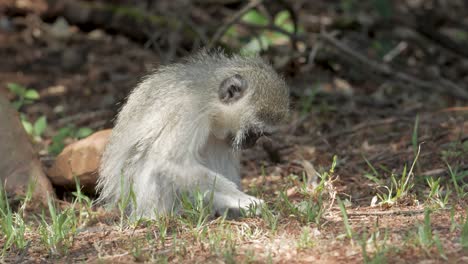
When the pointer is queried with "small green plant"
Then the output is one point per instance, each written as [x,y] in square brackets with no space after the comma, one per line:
[26,96]
[23,95]
[70,131]
[36,129]
[58,231]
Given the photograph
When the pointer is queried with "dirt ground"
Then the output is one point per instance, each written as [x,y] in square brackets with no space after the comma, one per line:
[82,77]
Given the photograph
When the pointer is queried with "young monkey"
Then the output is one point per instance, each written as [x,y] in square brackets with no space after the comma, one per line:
[183,127]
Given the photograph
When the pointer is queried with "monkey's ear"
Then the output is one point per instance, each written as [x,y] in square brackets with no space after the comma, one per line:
[232,89]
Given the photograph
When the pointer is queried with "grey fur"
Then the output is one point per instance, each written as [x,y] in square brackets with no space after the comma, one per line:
[171,135]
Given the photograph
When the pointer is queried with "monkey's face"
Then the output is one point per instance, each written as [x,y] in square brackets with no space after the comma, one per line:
[253,103]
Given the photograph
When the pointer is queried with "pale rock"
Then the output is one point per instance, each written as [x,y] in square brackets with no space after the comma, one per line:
[19,164]
[80,159]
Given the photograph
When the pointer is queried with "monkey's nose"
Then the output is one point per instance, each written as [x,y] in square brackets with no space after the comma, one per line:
[251,138]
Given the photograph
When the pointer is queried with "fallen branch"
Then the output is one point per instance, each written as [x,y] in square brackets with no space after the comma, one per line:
[385,69]
[363,125]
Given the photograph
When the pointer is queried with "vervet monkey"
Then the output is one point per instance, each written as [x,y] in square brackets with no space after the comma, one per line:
[182,129]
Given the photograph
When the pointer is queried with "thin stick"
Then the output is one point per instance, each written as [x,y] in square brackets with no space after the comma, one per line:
[392,212]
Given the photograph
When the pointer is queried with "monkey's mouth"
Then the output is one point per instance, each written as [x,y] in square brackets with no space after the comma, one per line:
[251,137]
[247,139]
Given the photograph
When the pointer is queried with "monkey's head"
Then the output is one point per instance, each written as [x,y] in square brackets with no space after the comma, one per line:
[252,99]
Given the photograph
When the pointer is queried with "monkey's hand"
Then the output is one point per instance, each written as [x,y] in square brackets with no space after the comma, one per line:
[236,204]
[224,193]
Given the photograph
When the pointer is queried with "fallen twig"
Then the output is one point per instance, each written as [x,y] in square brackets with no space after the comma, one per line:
[363,125]
[392,212]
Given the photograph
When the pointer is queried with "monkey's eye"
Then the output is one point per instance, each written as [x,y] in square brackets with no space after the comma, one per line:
[232,89]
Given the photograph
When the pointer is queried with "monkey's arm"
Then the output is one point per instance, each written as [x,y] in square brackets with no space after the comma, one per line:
[226,195]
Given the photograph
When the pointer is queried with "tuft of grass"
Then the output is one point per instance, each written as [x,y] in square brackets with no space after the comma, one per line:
[305,239]
[427,239]
[58,228]
[125,201]
[436,193]
[12,224]
[84,204]
[162,224]
[378,244]
[312,206]
[58,231]
[195,209]
[464,233]
[347,226]
[457,177]
[270,217]
[425,231]
[400,187]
